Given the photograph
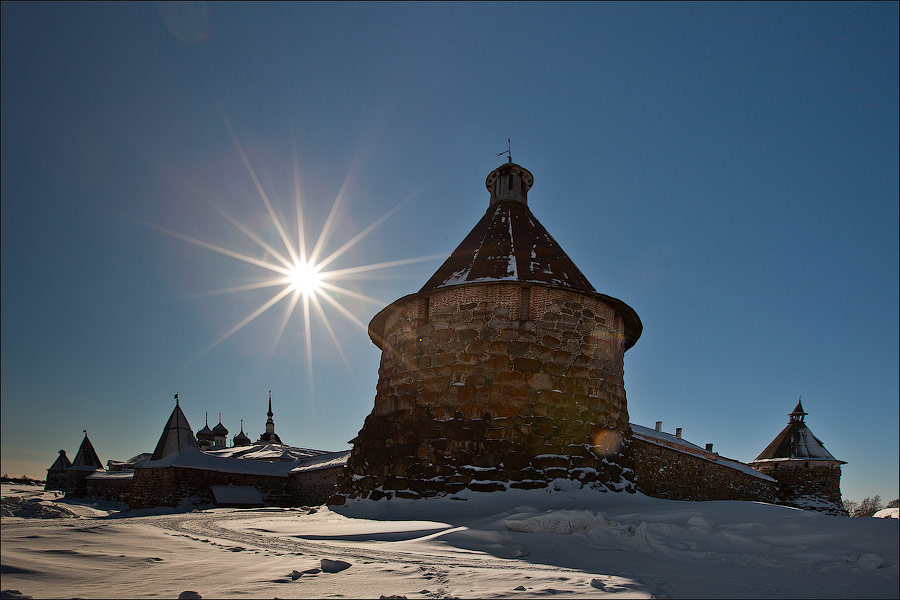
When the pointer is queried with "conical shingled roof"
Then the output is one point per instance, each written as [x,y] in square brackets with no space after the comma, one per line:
[61,463]
[176,436]
[796,441]
[87,458]
[509,244]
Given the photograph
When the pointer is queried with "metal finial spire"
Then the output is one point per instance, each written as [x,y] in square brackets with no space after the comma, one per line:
[508,151]
[207,418]
[176,398]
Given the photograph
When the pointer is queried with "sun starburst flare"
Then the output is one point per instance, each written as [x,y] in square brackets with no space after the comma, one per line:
[301,280]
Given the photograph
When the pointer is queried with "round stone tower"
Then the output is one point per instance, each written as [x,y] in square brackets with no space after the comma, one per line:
[808,475]
[504,371]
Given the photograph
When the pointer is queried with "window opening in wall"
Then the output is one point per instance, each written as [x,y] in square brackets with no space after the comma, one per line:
[525,304]
[423,310]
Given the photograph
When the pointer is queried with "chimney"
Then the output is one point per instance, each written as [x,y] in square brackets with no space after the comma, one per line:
[659,425]
[709,447]
[678,432]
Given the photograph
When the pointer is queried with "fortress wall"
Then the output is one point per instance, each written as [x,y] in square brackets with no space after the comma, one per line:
[312,488]
[664,472]
[117,489]
[56,480]
[799,480]
[170,486]
[470,395]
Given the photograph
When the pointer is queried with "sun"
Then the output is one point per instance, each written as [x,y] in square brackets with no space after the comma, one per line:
[304,278]
[301,277]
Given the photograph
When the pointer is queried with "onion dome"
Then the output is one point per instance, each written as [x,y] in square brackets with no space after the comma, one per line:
[220,430]
[796,441]
[206,434]
[241,439]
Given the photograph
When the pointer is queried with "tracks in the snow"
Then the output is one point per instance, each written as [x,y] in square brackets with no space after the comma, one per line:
[210,525]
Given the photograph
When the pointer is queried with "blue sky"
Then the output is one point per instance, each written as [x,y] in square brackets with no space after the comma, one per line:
[728,170]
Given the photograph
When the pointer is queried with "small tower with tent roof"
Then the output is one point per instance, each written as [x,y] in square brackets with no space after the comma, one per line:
[85,463]
[808,475]
[176,436]
[56,474]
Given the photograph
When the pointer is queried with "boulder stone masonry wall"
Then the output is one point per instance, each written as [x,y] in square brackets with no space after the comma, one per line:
[664,472]
[311,488]
[56,480]
[801,483]
[118,489]
[494,386]
[170,486]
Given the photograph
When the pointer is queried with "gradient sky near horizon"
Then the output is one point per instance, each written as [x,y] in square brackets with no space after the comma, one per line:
[728,170]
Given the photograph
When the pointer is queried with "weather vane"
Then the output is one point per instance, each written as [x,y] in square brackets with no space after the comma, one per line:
[508,151]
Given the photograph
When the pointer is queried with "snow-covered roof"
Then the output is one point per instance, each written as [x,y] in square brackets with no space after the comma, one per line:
[111,475]
[258,459]
[242,495]
[796,441]
[176,436]
[323,461]
[264,451]
[130,463]
[509,244]
[194,458]
[668,440]
[86,459]
[653,435]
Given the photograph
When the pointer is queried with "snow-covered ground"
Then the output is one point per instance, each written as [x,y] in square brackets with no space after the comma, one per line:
[888,513]
[516,544]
